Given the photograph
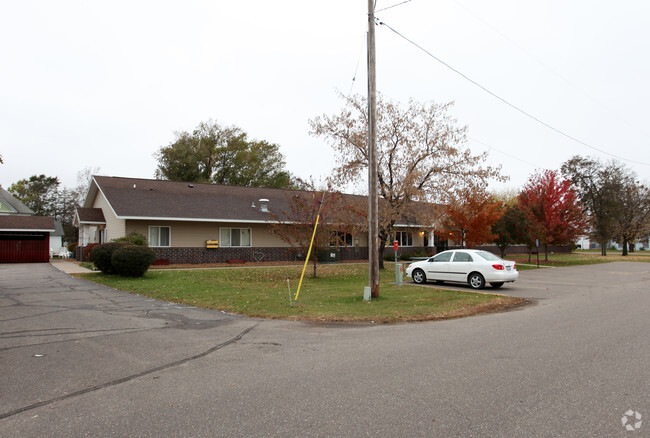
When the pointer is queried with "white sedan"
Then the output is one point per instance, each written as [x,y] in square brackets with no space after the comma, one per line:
[474,267]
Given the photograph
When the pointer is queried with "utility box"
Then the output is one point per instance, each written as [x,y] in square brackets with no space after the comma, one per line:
[399,274]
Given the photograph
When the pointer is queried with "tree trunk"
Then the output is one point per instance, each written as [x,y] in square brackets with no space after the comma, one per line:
[545,252]
[631,249]
[382,246]
[624,253]
[603,248]
[530,251]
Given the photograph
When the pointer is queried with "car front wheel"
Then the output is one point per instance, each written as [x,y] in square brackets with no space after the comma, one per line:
[418,276]
[476,280]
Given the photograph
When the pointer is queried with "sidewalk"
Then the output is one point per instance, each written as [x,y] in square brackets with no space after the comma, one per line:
[69,267]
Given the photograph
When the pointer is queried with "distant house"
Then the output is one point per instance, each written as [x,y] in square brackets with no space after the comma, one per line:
[56,238]
[24,238]
[201,223]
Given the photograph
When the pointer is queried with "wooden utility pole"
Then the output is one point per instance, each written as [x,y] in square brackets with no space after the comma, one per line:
[373,206]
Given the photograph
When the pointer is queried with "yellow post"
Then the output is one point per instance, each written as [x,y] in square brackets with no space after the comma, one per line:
[307,259]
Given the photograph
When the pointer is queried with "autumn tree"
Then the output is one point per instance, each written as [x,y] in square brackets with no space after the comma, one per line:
[421,156]
[513,228]
[603,188]
[469,218]
[338,216]
[553,209]
[223,155]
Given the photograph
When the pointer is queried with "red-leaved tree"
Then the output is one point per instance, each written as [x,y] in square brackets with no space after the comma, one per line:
[468,219]
[553,208]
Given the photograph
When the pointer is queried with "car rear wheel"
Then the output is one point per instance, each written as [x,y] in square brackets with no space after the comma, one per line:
[418,276]
[497,285]
[476,280]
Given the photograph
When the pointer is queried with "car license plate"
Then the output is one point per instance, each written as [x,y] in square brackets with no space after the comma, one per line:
[508,268]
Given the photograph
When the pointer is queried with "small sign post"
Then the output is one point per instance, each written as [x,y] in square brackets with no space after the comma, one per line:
[398,267]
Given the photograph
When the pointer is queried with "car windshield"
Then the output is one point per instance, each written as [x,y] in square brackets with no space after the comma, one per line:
[489,256]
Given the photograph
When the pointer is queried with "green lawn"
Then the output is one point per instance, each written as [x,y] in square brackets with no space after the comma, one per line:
[335,295]
[578,258]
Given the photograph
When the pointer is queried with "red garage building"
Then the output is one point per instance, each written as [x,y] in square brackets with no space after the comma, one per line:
[24,238]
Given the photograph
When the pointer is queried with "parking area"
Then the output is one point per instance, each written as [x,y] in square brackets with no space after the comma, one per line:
[78,359]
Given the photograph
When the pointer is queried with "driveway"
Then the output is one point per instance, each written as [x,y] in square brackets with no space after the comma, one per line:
[78,359]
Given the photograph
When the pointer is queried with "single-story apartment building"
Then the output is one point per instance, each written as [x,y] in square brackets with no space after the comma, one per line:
[206,223]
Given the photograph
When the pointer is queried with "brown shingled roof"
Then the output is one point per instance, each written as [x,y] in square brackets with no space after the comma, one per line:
[26,223]
[148,199]
[91,215]
[144,198]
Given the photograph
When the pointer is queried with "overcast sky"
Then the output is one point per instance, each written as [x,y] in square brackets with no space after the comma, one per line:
[106,84]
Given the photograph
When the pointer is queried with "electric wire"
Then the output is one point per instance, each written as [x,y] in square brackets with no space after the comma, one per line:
[525,113]
[393,6]
[534,166]
[356,69]
[540,62]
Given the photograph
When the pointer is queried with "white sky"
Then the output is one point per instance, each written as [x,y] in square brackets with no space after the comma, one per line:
[105,84]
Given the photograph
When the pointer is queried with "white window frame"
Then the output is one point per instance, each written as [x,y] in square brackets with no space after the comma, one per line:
[229,243]
[403,238]
[336,237]
[169,233]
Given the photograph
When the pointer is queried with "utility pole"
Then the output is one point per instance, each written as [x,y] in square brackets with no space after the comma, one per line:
[373,206]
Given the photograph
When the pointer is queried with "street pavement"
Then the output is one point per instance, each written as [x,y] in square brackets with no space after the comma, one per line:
[79,359]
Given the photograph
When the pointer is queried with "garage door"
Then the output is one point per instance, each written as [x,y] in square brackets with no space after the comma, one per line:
[24,248]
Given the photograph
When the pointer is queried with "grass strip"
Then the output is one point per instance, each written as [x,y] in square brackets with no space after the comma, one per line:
[336,295]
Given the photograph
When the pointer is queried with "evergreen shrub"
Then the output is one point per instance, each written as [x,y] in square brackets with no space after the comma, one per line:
[101,256]
[132,260]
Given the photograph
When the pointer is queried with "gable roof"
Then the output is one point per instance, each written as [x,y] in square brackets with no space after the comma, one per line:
[135,198]
[27,223]
[58,228]
[90,216]
[13,203]
[147,199]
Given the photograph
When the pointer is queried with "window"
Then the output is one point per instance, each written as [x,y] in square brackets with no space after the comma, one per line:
[159,236]
[442,257]
[462,257]
[340,239]
[235,237]
[404,238]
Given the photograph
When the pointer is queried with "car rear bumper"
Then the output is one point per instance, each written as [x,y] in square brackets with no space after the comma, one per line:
[502,276]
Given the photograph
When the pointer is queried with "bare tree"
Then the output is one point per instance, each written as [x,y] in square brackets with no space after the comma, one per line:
[601,187]
[633,221]
[421,156]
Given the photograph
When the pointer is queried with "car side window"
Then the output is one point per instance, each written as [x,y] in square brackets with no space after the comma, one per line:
[462,257]
[444,257]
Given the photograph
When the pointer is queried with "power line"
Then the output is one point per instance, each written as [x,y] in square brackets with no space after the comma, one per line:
[541,122]
[540,62]
[534,166]
[393,6]
[354,78]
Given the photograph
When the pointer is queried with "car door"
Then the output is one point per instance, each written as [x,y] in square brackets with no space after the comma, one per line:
[438,266]
[460,266]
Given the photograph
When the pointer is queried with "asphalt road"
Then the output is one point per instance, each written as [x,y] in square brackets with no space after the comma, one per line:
[78,359]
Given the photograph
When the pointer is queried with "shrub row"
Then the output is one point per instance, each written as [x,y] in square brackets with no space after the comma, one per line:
[122,258]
